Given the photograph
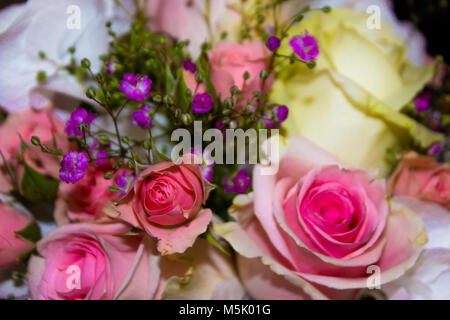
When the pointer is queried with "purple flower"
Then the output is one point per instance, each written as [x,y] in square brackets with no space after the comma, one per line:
[305,46]
[202,102]
[241,182]
[123,181]
[281,113]
[434,121]
[142,118]
[422,102]
[220,125]
[270,30]
[73,166]
[435,149]
[273,43]
[135,87]
[111,67]
[189,66]
[77,117]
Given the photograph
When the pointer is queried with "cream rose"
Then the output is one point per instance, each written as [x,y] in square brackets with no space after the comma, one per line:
[350,103]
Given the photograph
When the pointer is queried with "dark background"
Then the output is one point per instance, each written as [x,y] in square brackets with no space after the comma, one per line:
[431,16]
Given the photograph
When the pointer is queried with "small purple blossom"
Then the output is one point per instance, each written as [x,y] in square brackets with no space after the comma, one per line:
[434,121]
[305,46]
[435,149]
[202,102]
[281,113]
[73,166]
[78,117]
[220,125]
[123,181]
[142,118]
[241,182]
[270,30]
[111,67]
[136,87]
[189,66]
[273,43]
[422,102]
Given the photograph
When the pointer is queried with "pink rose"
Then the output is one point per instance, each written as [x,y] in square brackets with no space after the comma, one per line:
[93,262]
[26,123]
[185,19]
[11,245]
[85,200]
[229,61]
[165,200]
[316,229]
[423,178]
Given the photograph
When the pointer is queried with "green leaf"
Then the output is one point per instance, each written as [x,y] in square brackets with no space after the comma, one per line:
[31,232]
[170,79]
[133,232]
[37,187]
[183,99]
[209,236]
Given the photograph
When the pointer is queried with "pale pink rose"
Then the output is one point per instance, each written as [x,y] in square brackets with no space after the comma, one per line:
[24,124]
[11,245]
[85,200]
[5,180]
[229,61]
[185,19]
[165,200]
[94,262]
[423,178]
[313,229]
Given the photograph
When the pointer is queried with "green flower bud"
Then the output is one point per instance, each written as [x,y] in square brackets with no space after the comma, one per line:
[41,76]
[246,75]
[233,124]
[108,175]
[234,90]
[113,188]
[35,141]
[311,64]
[157,98]
[186,119]
[326,9]
[42,55]
[90,93]
[85,63]
[147,145]
[264,74]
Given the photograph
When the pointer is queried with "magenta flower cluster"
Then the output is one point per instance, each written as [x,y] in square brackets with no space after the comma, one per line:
[239,184]
[305,46]
[73,166]
[142,118]
[202,102]
[78,117]
[188,65]
[136,87]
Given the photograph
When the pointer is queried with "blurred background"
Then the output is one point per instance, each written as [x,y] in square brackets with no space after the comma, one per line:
[432,17]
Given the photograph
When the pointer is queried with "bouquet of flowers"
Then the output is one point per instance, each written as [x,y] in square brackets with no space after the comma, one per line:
[221,149]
